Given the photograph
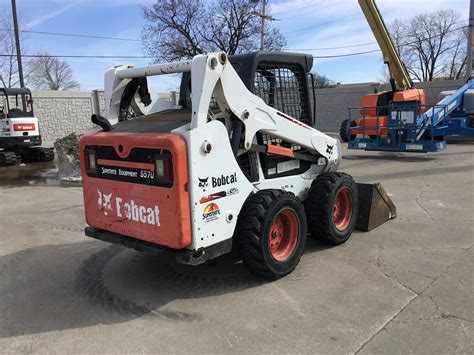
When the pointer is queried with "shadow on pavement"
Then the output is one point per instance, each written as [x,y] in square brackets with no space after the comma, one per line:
[57,287]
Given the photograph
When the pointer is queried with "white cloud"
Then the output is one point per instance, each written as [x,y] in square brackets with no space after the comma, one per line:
[50,15]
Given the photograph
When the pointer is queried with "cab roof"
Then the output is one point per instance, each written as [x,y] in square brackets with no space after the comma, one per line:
[15,91]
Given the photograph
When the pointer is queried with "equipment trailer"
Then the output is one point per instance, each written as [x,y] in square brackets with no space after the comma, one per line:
[19,128]
[226,170]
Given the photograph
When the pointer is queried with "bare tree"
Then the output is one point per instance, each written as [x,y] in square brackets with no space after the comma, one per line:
[432,45]
[52,73]
[179,29]
[321,81]
[8,64]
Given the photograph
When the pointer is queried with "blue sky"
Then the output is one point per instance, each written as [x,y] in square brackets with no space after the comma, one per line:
[307,25]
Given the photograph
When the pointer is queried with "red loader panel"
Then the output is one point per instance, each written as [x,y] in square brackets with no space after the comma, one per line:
[130,205]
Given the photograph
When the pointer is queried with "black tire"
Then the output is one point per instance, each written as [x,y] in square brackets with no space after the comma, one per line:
[7,158]
[46,154]
[320,207]
[344,130]
[260,215]
[37,154]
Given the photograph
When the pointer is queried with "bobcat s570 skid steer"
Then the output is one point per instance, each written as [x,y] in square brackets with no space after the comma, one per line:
[238,166]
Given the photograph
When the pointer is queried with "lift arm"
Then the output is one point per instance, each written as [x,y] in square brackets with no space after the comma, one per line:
[442,109]
[390,55]
[213,74]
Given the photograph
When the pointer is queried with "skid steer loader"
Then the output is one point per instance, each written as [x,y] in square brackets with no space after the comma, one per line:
[237,166]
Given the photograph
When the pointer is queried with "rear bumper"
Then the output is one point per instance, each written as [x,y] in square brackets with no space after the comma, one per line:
[20,142]
[184,256]
[128,242]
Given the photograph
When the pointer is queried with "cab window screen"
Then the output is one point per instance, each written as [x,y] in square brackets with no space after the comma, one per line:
[281,87]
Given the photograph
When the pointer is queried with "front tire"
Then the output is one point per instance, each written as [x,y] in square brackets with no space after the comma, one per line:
[271,233]
[344,130]
[332,207]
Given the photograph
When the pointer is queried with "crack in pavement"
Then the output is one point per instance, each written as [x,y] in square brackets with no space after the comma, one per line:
[433,218]
[443,314]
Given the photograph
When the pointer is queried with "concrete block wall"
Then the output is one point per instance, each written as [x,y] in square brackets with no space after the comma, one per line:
[64,112]
[332,104]
[61,113]
[433,88]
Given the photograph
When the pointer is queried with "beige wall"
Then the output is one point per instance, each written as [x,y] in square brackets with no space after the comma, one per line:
[332,104]
[63,112]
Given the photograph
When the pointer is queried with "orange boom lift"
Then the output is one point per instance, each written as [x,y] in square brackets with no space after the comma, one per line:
[373,113]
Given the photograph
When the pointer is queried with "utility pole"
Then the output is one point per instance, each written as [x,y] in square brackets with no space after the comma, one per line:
[470,44]
[262,30]
[263,16]
[17,42]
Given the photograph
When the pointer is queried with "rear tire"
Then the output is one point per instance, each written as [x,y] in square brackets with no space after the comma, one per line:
[344,130]
[332,207]
[271,233]
[7,158]
[46,154]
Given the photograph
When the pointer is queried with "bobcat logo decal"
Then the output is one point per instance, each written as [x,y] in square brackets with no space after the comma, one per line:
[203,182]
[329,148]
[104,202]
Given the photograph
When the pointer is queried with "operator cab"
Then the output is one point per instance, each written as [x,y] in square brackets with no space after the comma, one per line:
[279,78]
[15,102]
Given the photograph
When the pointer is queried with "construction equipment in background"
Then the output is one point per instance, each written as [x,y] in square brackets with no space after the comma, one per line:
[399,119]
[19,129]
[226,170]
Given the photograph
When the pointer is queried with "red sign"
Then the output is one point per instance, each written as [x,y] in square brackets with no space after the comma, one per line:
[24,127]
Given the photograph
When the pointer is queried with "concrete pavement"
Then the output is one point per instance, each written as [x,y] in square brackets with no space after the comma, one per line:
[407,286]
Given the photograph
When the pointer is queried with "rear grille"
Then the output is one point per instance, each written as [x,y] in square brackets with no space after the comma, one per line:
[138,168]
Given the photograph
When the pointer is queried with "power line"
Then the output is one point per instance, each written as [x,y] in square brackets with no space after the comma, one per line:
[299,14]
[293,8]
[79,56]
[345,55]
[325,23]
[150,57]
[326,48]
[74,35]
[369,43]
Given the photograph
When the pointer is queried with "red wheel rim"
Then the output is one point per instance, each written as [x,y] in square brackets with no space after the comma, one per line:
[342,210]
[283,234]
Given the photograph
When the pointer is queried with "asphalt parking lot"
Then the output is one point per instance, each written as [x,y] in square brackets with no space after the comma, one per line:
[405,287]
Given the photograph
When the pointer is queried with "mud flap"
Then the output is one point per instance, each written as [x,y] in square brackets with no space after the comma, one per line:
[375,207]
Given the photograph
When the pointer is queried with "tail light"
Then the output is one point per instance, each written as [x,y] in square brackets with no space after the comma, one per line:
[90,161]
[163,167]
